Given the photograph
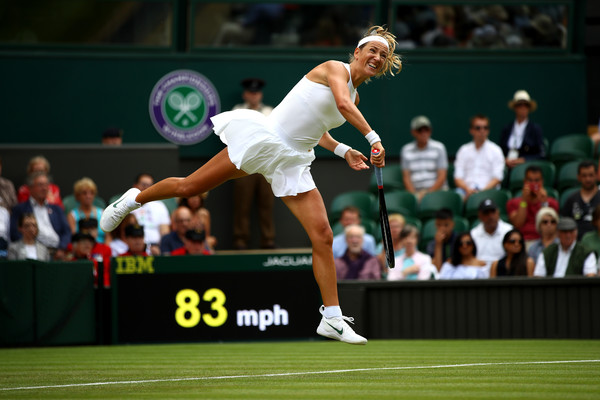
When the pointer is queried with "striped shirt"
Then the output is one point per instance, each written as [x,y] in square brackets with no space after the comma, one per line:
[424,164]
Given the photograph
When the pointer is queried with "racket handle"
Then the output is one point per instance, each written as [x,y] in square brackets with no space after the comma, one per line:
[378,173]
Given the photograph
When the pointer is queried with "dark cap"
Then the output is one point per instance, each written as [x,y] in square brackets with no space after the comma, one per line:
[566,224]
[253,84]
[134,230]
[87,223]
[112,133]
[487,205]
[196,235]
[82,236]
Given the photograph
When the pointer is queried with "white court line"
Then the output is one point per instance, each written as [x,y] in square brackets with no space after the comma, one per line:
[335,371]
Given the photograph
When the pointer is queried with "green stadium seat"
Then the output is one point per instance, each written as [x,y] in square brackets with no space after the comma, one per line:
[499,196]
[414,221]
[361,199]
[427,233]
[517,174]
[171,204]
[564,195]
[461,224]
[396,201]
[114,198]
[577,146]
[567,176]
[70,203]
[99,202]
[392,179]
[433,201]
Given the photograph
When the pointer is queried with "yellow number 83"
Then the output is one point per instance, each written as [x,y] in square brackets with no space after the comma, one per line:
[188,315]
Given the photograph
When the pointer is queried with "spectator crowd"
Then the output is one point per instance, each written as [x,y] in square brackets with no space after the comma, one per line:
[38,223]
[497,211]
[500,215]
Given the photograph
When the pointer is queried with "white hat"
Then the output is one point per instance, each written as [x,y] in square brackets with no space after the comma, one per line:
[419,122]
[521,96]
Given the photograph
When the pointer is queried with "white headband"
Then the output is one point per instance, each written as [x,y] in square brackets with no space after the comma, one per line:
[373,38]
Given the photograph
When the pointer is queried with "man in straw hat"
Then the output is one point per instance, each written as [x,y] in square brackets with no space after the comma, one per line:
[522,140]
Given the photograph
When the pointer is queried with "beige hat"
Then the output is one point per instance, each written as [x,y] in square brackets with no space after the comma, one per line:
[419,122]
[521,96]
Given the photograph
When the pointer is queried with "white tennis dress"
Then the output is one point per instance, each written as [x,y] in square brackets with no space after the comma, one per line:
[280,146]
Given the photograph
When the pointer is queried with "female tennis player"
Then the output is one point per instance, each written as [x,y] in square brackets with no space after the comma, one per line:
[280,147]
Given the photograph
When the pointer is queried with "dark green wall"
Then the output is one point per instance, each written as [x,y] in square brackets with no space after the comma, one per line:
[72,98]
[501,308]
[47,303]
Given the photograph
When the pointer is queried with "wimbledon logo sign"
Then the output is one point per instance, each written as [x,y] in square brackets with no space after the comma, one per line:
[181,105]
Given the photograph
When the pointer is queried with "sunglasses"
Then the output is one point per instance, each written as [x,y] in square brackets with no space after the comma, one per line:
[513,241]
[466,243]
[423,129]
[481,127]
[548,221]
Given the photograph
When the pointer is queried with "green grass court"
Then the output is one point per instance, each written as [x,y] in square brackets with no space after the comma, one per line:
[383,369]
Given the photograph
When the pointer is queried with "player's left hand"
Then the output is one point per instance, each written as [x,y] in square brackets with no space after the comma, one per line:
[356,160]
[379,159]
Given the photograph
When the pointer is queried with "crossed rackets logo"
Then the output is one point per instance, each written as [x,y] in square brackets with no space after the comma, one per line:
[184,107]
[181,105]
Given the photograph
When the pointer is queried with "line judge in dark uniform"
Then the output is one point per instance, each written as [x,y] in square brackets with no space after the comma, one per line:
[253,187]
[522,140]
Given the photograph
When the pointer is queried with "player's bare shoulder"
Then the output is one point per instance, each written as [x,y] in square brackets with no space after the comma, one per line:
[322,73]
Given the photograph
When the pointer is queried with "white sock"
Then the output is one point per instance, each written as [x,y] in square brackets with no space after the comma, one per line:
[332,311]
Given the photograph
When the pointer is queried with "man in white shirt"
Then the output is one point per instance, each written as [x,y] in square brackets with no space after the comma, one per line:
[488,234]
[479,164]
[566,257]
[153,216]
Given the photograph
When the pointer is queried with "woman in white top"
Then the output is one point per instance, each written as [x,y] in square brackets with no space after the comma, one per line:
[463,264]
[280,147]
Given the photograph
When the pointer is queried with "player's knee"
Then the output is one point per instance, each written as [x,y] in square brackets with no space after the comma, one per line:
[323,234]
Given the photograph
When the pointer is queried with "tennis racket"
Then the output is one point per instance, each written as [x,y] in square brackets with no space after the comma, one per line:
[386,235]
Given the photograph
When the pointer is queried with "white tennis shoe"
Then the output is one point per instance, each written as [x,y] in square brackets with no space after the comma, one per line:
[115,212]
[336,328]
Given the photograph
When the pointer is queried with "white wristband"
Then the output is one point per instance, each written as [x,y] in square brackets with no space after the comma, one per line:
[341,149]
[372,137]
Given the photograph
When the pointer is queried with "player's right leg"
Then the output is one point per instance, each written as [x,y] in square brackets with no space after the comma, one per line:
[215,172]
[310,210]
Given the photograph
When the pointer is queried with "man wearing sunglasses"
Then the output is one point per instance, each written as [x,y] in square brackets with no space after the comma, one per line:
[479,164]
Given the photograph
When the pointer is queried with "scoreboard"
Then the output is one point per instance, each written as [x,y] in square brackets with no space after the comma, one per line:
[209,298]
